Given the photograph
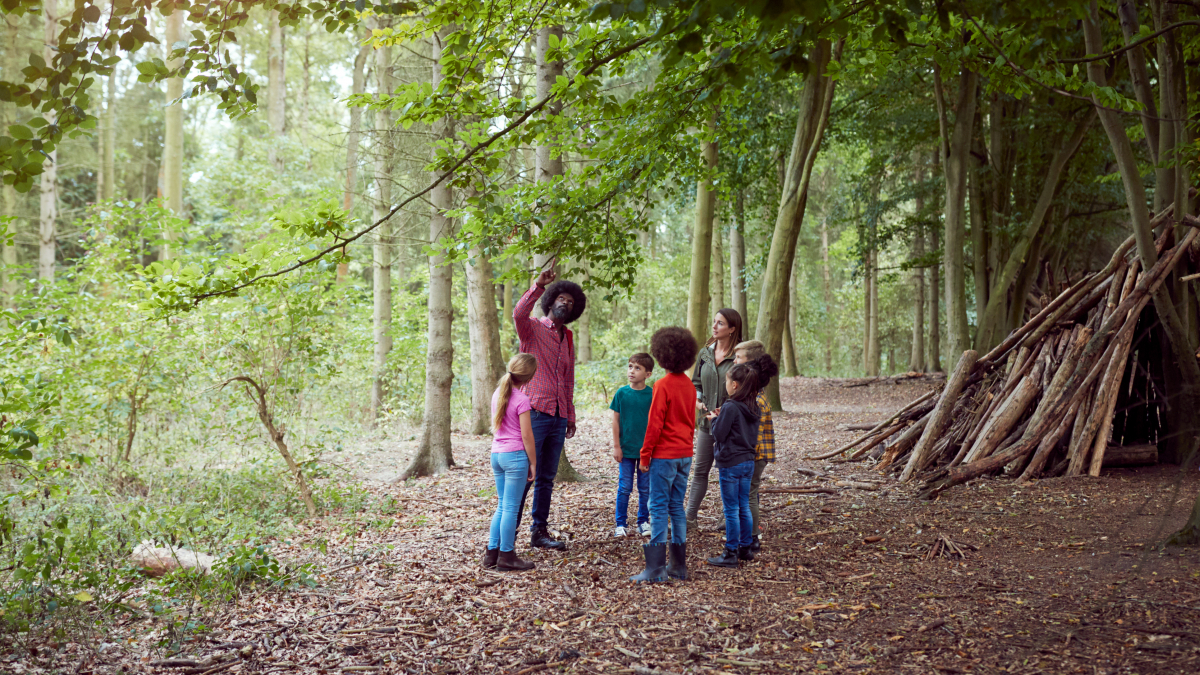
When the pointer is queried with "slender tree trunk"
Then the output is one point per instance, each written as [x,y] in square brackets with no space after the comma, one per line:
[737,257]
[828,297]
[916,359]
[815,101]
[173,134]
[109,160]
[382,250]
[47,221]
[699,316]
[979,234]
[873,325]
[716,286]
[935,310]
[433,449]
[8,254]
[276,89]
[1136,57]
[956,166]
[358,86]
[487,363]
[1182,346]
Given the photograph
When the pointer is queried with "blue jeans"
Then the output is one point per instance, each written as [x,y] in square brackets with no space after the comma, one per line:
[735,500]
[668,485]
[549,434]
[511,470]
[629,471]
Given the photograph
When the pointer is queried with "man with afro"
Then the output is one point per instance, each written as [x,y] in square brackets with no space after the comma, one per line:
[552,389]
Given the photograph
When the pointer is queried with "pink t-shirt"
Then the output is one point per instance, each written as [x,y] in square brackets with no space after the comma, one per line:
[508,436]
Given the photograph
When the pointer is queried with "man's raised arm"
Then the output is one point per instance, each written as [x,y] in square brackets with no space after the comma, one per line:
[522,312]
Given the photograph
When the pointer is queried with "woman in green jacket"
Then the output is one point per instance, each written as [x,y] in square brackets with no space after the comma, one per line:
[714,361]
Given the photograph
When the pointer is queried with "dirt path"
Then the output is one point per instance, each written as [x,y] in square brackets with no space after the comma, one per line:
[1067,576]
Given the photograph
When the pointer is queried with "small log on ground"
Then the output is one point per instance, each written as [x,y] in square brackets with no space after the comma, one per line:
[1131,455]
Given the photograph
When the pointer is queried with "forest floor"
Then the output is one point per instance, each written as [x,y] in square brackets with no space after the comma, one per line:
[1061,576]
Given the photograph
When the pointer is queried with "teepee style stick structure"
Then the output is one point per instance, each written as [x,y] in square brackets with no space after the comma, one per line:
[1053,382]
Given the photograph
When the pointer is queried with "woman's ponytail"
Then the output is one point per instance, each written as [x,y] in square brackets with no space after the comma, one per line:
[521,369]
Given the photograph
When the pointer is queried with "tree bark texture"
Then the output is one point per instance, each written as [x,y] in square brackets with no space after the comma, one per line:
[956,167]
[109,158]
[358,86]
[382,250]
[916,359]
[814,106]
[173,133]
[873,313]
[716,285]
[48,202]
[276,88]
[935,310]
[827,296]
[737,258]
[699,300]
[433,449]
[487,362]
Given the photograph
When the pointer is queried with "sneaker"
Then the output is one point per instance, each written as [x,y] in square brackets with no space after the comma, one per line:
[620,532]
[644,529]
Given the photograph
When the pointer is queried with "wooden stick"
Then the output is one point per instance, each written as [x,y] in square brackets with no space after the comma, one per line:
[1110,385]
[925,397]
[941,413]
[1010,413]
[1047,445]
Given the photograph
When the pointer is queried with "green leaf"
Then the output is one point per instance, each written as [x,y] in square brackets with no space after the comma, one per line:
[83,596]
[21,132]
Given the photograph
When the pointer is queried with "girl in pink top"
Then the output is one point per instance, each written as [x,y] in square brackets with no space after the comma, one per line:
[513,462]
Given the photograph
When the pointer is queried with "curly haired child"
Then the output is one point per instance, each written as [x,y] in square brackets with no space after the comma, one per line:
[667,454]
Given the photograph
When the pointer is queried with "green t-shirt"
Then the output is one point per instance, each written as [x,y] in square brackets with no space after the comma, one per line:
[634,408]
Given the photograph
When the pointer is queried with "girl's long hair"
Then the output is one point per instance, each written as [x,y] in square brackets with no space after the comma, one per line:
[520,370]
[752,377]
[735,322]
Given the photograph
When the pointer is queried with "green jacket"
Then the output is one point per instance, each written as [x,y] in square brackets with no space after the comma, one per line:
[709,380]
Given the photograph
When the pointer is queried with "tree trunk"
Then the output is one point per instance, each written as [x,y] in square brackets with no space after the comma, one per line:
[699,316]
[109,160]
[276,89]
[935,310]
[814,105]
[8,254]
[358,86]
[992,324]
[487,363]
[873,315]
[583,338]
[1185,364]
[382,251]
[737,257]
[173,133]
[791,361]
[1136,57]
[433,449]
[828,297]
[916,359]
[716,285]
[956,166]
[48,216]
[979,235]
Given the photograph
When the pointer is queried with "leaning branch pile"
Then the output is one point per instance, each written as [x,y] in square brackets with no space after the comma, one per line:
[1046,392]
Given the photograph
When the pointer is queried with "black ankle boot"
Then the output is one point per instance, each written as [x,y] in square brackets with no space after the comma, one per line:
[540,538]
[756,545]
[489,558]
[745,553]
[656,565]
[728,558]
[677,569]
[508,561]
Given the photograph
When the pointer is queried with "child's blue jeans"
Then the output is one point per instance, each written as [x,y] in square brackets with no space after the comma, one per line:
[735,500]
[511,470]
[668,485]
[625,478]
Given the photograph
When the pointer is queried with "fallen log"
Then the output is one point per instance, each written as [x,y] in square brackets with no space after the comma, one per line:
[922,399]
[1131,455]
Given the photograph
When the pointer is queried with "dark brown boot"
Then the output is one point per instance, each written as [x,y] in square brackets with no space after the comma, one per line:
[489,558]
[508,561]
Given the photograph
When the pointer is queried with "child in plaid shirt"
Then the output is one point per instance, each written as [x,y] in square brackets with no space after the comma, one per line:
[754,352]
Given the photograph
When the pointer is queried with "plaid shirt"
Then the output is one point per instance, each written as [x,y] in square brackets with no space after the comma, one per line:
[552,389]
[764,449]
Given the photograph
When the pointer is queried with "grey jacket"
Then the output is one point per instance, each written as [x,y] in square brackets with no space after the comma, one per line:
[709,380]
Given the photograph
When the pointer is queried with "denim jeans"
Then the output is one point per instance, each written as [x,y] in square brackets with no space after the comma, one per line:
[628,473]
[735,500]
[549,434]
[511,470]
[668,485]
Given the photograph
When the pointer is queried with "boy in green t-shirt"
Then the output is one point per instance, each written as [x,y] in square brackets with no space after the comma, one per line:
[631,410]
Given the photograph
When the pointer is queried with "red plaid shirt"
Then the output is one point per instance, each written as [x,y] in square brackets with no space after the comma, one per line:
[552,389]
